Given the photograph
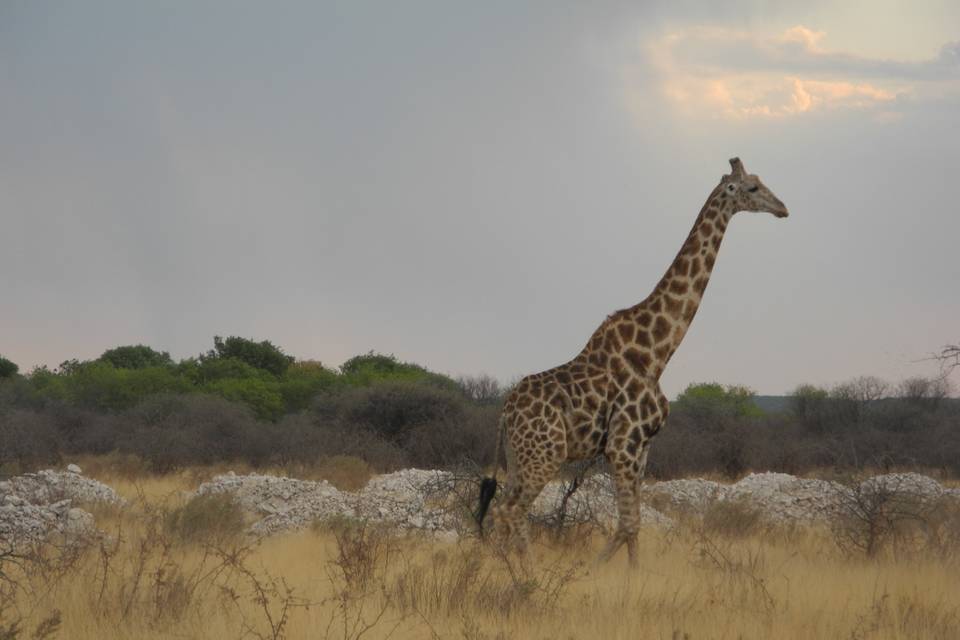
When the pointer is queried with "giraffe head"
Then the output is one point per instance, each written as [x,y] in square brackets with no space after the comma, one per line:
[749,194]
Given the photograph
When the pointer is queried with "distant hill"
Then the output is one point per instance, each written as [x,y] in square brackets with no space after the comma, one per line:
[772,404]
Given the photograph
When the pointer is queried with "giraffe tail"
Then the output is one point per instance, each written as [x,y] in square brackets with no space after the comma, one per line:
[488,486]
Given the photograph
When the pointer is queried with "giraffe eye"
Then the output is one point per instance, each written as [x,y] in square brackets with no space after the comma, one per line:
[753,188]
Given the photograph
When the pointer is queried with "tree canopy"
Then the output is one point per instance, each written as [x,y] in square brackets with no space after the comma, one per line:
[708,399]
[260,355]
[371,368]
[258,375]
[8,369]
[136,357]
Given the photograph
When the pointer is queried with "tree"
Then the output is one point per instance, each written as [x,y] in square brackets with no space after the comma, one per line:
[712,400]
[392,409]
[304,380]
[371,368]
[926,392]
[47,384]
[260,355]
[949,358]
[854,398]
[100,385]
[811,404]
[379,363]
[211,370]
[807,399]
[262,396]
[482,389]
[867,389]
[136,357]
[71,366]
[8,369]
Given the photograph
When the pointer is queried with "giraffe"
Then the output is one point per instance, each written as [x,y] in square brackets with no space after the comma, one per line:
[607,400]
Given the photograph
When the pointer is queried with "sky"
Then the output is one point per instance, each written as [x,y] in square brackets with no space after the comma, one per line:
[474,186]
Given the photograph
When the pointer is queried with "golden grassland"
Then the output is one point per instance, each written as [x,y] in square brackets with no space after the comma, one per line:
[166,571]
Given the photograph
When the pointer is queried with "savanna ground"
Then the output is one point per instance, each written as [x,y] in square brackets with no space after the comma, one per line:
[170,567]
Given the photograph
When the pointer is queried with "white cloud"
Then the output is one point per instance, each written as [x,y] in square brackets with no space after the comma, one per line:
[716,72]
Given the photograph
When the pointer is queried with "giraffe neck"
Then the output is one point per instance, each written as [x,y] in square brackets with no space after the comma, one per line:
[668,311]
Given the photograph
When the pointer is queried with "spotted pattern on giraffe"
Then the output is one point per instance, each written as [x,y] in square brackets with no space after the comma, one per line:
[607,400]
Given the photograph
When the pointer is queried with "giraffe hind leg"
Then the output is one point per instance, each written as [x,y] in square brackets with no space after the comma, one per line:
[505,521]
[528,473]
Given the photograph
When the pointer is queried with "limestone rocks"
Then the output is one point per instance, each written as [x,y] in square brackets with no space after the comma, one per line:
[433,501]
[594,501]
[412,499]
[48,486]
[407,499]
[34,505]
[911,484]
[281,503]
[439,503]
[784,499]
[685,495]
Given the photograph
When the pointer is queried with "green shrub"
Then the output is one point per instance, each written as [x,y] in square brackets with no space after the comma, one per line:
[210,519]
[303,381]
[136,357]
[100,385]
[212,370]
[8,369]
[262,396]
[259,355]
[373,368]
[49,386]
[708,400]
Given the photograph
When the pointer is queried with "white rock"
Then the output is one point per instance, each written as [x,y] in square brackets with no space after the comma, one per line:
[47,487]
[35,505]
[782,498]
[426,500]
[72,468]
[78,523]
[912,484]
[688,494]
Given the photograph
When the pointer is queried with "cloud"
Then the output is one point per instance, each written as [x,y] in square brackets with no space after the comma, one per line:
[717,72]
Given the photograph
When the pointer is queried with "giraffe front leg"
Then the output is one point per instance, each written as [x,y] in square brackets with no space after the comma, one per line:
[626,479]
[635,518]
[627,453]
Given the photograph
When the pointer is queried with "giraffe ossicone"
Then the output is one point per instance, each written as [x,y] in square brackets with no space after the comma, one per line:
[607,400]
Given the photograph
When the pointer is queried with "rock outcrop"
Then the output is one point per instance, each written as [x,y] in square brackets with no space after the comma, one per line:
[439,503]
[35,505]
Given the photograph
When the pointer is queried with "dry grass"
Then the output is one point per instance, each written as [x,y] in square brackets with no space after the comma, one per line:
[725,579]
[347,473]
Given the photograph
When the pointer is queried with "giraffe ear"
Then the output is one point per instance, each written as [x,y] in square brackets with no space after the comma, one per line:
[737,166]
